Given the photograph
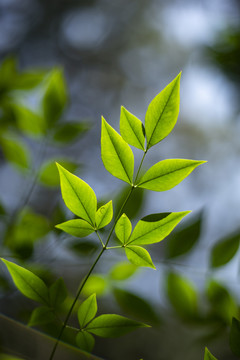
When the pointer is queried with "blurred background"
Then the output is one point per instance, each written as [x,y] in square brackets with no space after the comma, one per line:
[99,55]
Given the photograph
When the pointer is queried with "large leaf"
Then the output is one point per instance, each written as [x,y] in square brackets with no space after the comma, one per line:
[224,250]
[131,129]
[123,229]
[122,271]
[57,293]
[235,337]
[117,156]
[208,355]
[139,256]
[78,196]
[78,227]
[104,215]
[111,325]
[15,152]
[28,283]
[167,173]
[162,113]
[85,341]
[48,173]
[150,232]
[87,310]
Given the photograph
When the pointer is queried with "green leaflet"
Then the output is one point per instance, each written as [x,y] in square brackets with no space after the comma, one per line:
[123,229]
[104,215]
[78,196]
[41,315]
[29,122]
[28,283]
[57,293]
[208,355]
[235,336]
[167,173]
[48,173]
[85,341]
[122,271]
[131,129]
[116,154]
[150,232]
[224,250]
[111,325]
[78,227]
[87,310]
[139,256]
[95,284]
[15,152]
[162,113]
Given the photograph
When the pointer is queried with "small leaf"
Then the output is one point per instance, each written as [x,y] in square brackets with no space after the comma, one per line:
[208,355]
[139,256]
[123,229]
[162,113]
[224,250]
[29,122]
[66,133]
[15,152]
[48,173]
[85,341]
[131,129]
[40,316]
[87,310]
[78,196]
[78,227]
[117,156]
[104,215]
[28,283]
[122,271]
[150,232]
[235,336]
[167,173]
[95,284]
[111,325]
[57,293]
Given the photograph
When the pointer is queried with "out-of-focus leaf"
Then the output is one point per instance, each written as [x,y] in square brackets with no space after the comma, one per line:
[95,284]
[7,72]
[182,295]
[104,215]
[133,207]
[85,341]
[57,293]
[2,210]
[41,315]
[84,248]
[68,132]
[15,152]
[123,229]
[135,306]
[224,250]
[77,227]
[235,336]
[181,241]
[122,271]
[208,355]
[139,256]
[48,174]
[87,310]
[131,129]
[29,122]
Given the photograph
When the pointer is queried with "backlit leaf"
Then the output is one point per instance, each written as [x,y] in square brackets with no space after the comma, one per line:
[123,229]
[208,355]
[224,250]
[117,156]
[122,271]
[167,173]
[85,341]
[41,315]
[139,256]
[87,310]
[29,122]
[78,196]
[78,227]
[57,293]
[15,152]
[48,173]
[104,215]
[162,113]
[131,129]
[235,336]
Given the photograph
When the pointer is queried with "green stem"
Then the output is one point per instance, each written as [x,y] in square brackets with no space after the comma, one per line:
[114,247]
[100,238]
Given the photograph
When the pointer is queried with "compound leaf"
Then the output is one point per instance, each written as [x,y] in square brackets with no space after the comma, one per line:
[139,256]
[77,227]
[87,310]
[104,215]
[224,250]
[131,129]
[85,341]
[123,229]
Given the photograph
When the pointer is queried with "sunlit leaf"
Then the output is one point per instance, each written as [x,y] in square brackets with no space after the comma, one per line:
[48,173]
[57,293]
[68,132]
[28,283]
[87,310]
[85,341]
[41,315]
[78,227]
[235,336]
[149,232]
[224,250]
[131,129]
[117,156]
[122,271]
[15,152]
[167,173]
[104,215]
[162,113]
[95,284]
[111,325]
[208,355]
[139,256]
[123,229]
[78,196]
[29,122]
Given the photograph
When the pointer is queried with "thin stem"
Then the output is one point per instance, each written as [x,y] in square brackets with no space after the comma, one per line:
[100,238]
[140,166]
[114,247]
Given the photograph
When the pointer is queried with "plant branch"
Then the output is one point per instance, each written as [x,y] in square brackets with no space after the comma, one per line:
[100,238]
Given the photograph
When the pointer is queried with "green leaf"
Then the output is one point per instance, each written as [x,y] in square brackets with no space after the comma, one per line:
[131,129]
[40,316]
[111,325]
[78,227]
[122,271]
[48,173]
[150,232]
[85,341]
[182,241]
[182,295]
[123,229]
[29,122]
[95,284]
[28,283]
[117,156]
[78,196]
[104,215]
[87,310]
[69,132]
[235,337]
[208,355]
[162,113]
[224,250]
[167,173]
[135,306]
[139,256]
[15,152]
[55,97]
[57,293]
